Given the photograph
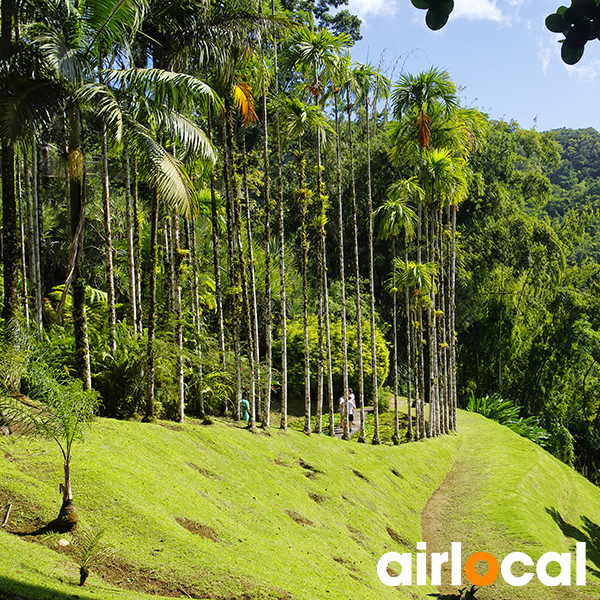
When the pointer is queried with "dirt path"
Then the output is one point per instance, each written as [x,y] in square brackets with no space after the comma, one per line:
[437,518]
[457,512]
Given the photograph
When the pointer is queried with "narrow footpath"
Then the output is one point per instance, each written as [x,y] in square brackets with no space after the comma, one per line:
[487,502]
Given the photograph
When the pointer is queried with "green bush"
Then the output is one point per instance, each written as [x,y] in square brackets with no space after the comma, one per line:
[295,349]
[506,413]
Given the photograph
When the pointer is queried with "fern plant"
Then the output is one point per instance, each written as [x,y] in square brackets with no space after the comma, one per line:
[90,552]
[506,413]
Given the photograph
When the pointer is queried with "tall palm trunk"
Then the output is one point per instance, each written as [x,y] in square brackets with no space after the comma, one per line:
[342,269]
[452,324]
[191,230]
[10,249]
[112,317]
[322,290]
[375,389]
[409,347]
[36,238]
[266,420]
[76,174]
[151,325]
[229,181]
[130,246]
[23,251]
[361,379]
[396,436]
[282,269]
[178,313]
[137,253]
[253,306]
[216,236]
[303,196]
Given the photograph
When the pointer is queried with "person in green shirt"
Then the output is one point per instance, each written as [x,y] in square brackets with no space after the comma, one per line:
[245,407]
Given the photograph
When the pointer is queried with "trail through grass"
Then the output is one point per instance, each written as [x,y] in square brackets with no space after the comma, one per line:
[505,494]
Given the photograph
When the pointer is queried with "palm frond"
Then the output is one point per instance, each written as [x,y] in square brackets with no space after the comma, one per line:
[104,104]
[167,173]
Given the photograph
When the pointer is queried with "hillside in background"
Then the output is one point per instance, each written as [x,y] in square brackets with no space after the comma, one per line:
[576,186]
[213,512]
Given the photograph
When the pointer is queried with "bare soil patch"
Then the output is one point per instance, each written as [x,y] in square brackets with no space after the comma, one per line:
[298,518]
[198,529]
[205,472]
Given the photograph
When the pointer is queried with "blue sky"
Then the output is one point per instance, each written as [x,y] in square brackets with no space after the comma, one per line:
[498,52]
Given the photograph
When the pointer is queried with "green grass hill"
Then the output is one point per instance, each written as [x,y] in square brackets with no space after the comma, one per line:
[215,512]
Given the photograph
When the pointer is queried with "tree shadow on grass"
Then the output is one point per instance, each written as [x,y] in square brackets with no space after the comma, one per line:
[590,534]
[10,589]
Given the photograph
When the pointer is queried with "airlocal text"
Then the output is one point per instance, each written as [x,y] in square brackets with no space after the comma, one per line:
[405,561]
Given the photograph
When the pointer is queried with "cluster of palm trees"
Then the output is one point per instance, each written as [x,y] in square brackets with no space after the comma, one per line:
[173,89]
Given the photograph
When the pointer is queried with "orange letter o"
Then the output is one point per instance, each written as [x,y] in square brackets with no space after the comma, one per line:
[474,577]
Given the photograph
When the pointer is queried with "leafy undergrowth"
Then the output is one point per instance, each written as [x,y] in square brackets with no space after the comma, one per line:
[216,512]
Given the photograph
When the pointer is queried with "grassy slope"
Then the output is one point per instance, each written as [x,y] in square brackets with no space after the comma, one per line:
[279,530]
[506,494]
[136,479]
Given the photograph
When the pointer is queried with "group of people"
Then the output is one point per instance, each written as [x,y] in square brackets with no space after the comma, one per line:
[347,407]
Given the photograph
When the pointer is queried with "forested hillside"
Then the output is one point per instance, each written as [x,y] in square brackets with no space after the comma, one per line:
[214,211]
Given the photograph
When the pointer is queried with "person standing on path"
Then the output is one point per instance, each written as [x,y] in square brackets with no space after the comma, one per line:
[351,406]
[342,411]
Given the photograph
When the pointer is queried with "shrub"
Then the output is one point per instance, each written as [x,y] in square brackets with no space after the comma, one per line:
[507,413]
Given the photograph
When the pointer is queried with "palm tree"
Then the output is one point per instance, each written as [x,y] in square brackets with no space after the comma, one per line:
[317,55]
[342,75]
[146,119]
[397,216]
[372,86]
[417,279]
[300,118]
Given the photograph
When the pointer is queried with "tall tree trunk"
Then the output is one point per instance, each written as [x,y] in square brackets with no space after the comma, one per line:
[452,324]
[375,389]
[361,379]
[10,309]
[322,291]
[31,233]
[409,347]
[23,251]
[130,246]
[178,314]
[216,236]
[191,226]
[342,266]
[266,420]
[151,324]
[76,187]
[282,270]
[304,270]
[112,317]
[137,248]
[396,436]
[253,306]
[37,219]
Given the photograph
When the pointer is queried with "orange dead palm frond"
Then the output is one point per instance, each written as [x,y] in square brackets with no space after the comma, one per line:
[242,94]
[423,130]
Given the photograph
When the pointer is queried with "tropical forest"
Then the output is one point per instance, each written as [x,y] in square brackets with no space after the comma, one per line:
[217,228]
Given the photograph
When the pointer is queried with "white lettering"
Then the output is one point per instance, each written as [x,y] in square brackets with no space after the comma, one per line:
[564,560]
[456,563]
[405,577]
[508,562]
[437,560]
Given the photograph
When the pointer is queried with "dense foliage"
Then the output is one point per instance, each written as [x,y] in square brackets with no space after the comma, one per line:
[216,204]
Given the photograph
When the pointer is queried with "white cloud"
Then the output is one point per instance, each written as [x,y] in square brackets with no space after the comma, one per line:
[546,50]
[585,71]
[478,9]
[364,8]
